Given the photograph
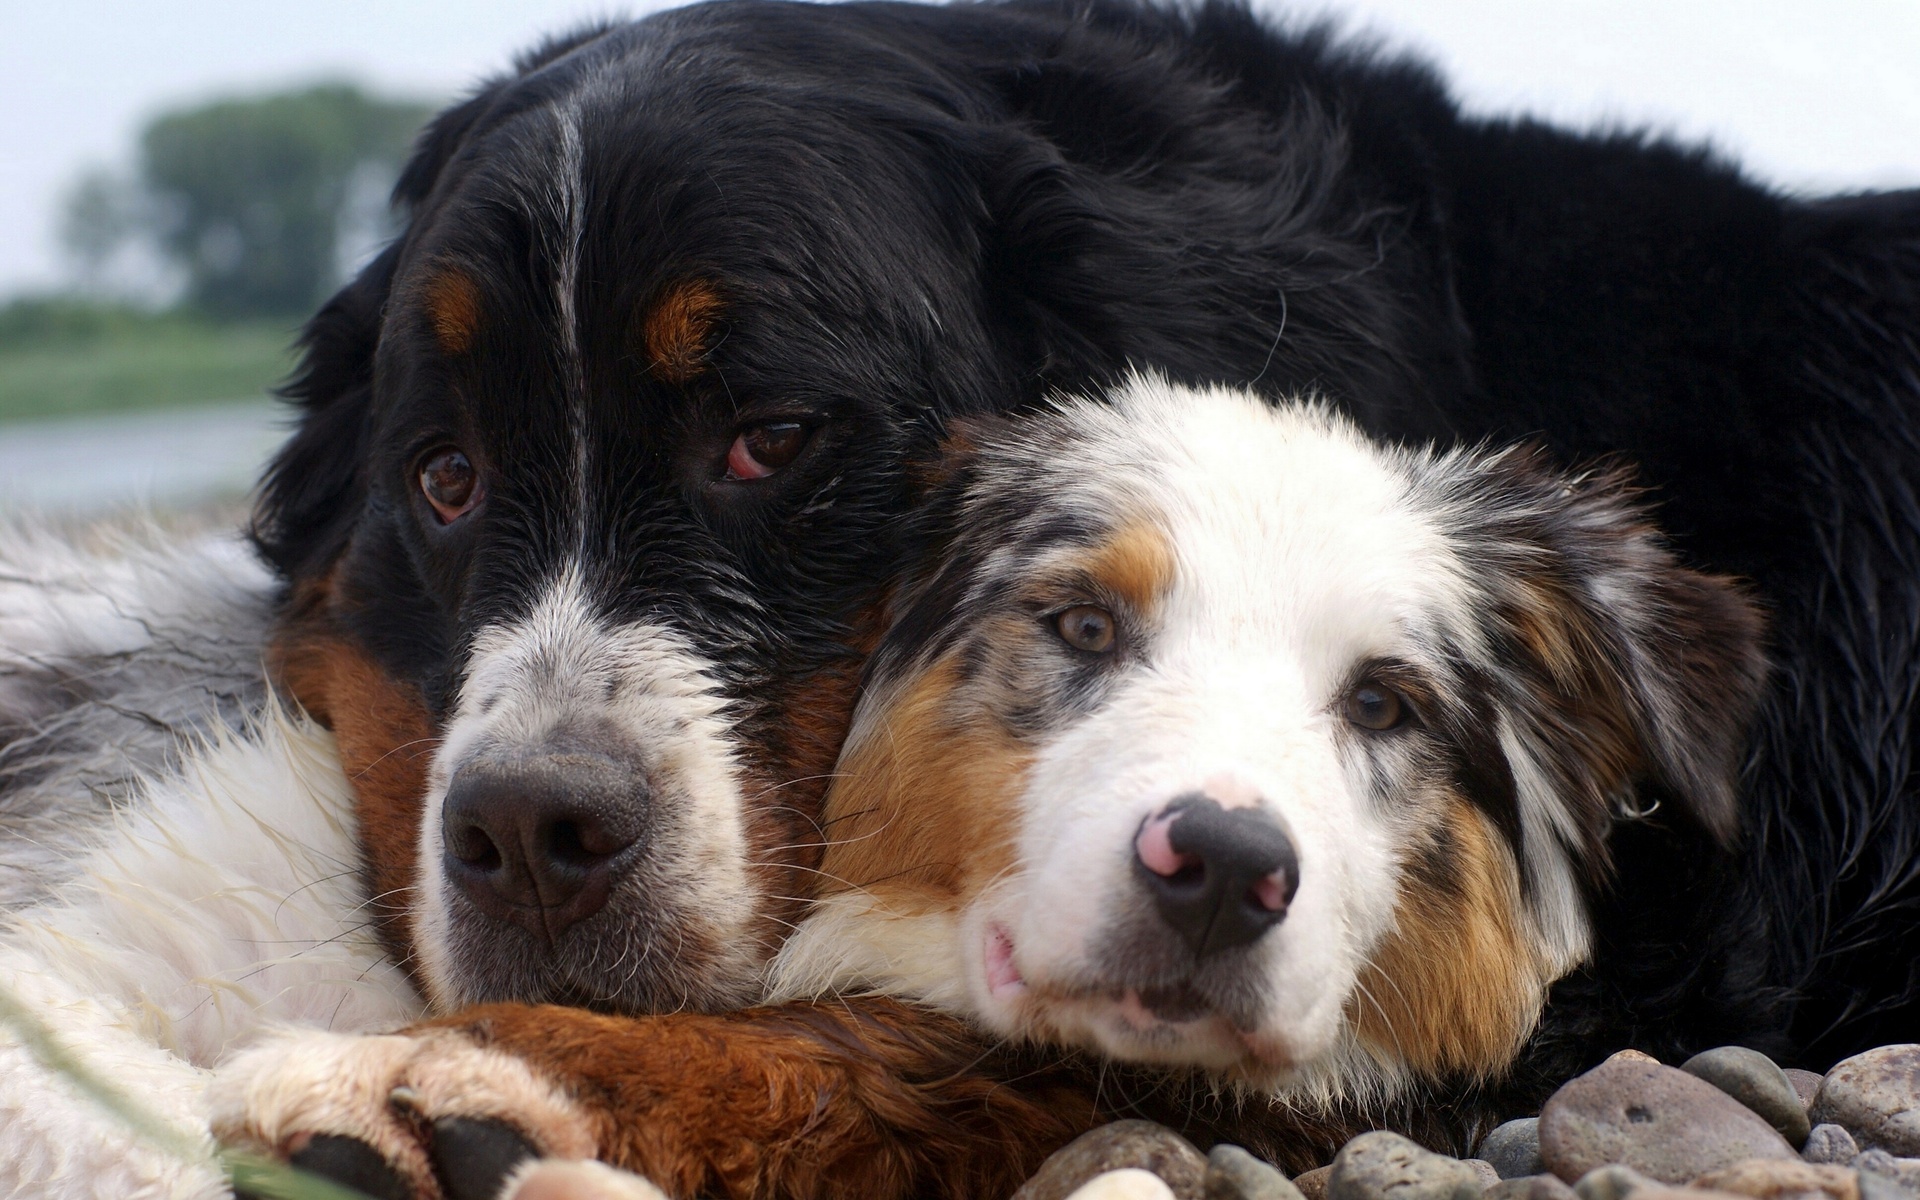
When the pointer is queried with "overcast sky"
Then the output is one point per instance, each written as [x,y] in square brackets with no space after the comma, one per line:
[1812,96]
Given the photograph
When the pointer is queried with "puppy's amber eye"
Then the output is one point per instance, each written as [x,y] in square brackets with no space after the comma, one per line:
[1085,627]
[450,484]
[1374,706]
[760,450]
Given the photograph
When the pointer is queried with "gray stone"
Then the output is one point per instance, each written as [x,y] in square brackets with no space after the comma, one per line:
[1514,1148]
[1531,1187]
[1903,1173]
[1612,1182]
[1830,1144]
[1757,1082]
[1662,1122]
[1877,1187]
[1876,1096]
[1806,1085]
[1484,1169]
[1775,1179]
[1386,1166]
[1233,1174]
[1112,1147]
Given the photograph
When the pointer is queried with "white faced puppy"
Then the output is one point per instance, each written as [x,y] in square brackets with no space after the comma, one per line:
[1221,736]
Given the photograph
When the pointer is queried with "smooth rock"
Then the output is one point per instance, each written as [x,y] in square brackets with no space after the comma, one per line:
[1757,1082]
[1612,1182]
[1903,1172]
[1484,1169]
[1313,1184]
[1128,1183]
[1876,1096]
[1113,1147]
[1830,1144]
[1233,1174]
[1514,1148]
[1662,1122]
[1806,1085]
[1531,1187]
[1772,1179]
[1878,1187]
[1632,1056]
[1386,1166]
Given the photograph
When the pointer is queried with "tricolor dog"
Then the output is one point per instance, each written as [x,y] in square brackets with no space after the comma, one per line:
[1222,736]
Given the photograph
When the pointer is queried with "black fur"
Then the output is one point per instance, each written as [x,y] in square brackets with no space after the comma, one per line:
[918,213]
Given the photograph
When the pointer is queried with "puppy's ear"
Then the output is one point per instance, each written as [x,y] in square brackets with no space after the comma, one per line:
[1640,676]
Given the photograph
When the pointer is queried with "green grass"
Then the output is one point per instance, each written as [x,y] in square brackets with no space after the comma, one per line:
[58,358]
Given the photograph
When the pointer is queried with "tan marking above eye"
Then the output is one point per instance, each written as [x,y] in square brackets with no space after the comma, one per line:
[677,329]
[453,310]
[1135,564]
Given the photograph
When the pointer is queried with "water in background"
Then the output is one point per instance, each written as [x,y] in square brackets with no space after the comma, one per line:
[175,458]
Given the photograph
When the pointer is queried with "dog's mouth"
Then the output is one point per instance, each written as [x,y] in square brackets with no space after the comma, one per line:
[1175,1021]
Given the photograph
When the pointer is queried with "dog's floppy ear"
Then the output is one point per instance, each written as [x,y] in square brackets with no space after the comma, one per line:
[1640,677]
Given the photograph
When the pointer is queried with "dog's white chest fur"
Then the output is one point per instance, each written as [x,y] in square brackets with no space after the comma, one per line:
[199,909]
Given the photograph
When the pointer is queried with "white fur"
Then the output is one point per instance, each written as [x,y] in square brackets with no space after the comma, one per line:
[564,664]
[1301,551]
[187,911]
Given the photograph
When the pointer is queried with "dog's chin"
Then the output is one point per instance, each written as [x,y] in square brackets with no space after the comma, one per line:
[628,968]
[1162,1025]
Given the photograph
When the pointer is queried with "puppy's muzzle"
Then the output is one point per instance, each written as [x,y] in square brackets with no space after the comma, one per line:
[541,840]
[1220,877]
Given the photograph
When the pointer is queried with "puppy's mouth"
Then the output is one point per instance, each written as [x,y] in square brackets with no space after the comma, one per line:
[1170,1021]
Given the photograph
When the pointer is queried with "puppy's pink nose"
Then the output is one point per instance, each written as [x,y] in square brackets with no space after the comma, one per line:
[1220,877]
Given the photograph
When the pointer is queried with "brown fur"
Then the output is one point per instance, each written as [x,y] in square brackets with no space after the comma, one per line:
[1137,565]
[925,804]
[1454,989]
[453,310]
[868,1100]
[678,327]
[386,740]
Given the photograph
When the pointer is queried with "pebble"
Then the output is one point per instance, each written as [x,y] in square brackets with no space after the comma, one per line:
[1483,1169]
[1773,1179]
[1876,1096]
[1904,1172]
[1313,1184]
[1531,1187]
[1514,1148]
[1611,1182]
[1806,1085]
[1830,1144]
[1115,1146]
[1233,1174]
[1757,1082]
[1660,1121]
[1386,1166]
[1128,1183]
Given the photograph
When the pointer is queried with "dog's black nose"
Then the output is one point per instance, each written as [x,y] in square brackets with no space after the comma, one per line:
[1220,877]
[540,840]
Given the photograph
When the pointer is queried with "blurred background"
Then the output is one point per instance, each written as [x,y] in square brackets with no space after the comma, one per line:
[181,183]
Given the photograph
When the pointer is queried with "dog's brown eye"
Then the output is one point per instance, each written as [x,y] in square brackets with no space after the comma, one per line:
[450,484]
[1375,706]
[1085,627]
[760,450]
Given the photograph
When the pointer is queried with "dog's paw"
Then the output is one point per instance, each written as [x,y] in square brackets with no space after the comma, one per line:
[428,1116]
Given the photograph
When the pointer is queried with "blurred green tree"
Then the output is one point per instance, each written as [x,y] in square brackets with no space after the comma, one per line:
[256,199]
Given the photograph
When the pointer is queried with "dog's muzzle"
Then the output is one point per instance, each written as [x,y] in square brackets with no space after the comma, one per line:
[541,840]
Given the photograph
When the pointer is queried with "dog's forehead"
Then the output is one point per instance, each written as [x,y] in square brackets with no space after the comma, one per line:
[1284,515]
